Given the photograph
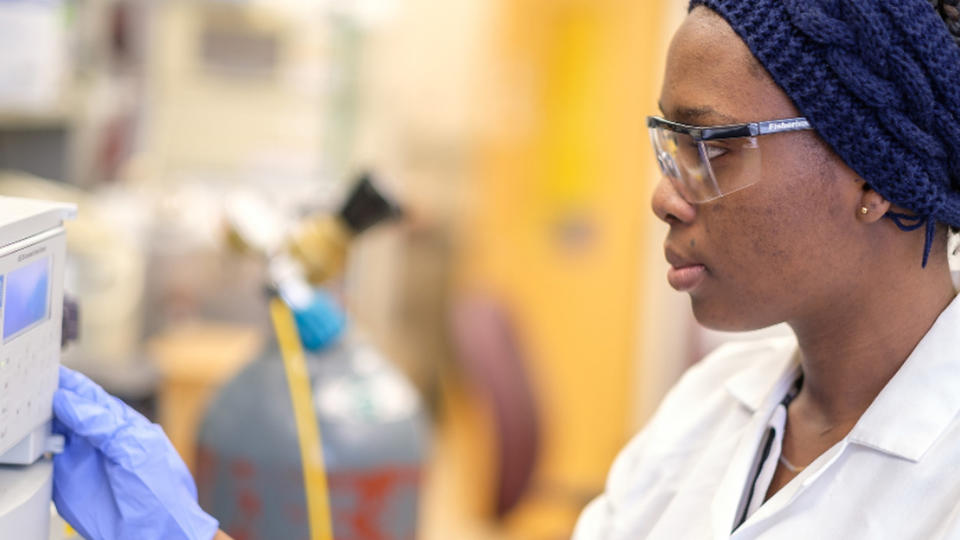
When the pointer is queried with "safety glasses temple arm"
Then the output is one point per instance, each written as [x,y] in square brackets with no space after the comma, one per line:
[782,126]
[751,129]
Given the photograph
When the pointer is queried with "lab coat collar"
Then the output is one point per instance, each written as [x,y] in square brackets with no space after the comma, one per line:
[923,397]
[757,384]
[909,414]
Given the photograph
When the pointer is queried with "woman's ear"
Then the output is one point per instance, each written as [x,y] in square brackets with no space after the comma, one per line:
[872,206]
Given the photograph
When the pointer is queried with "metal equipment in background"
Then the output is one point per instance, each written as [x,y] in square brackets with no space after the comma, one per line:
[32,257]
[250,469]
[320,244]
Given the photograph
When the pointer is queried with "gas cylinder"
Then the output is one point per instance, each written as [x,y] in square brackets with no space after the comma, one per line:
[372,424]
[374,435]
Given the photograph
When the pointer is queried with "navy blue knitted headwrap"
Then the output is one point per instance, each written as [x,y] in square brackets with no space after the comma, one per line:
[880,82]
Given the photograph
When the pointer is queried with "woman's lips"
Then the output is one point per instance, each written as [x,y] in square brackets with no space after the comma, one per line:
[686,278]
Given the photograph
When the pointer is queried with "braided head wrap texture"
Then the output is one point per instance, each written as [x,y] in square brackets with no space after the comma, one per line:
[880,82]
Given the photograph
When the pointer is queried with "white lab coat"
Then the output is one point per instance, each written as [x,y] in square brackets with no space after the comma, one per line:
[895,475]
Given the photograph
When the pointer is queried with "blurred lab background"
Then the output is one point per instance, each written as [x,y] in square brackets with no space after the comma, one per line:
[521,294]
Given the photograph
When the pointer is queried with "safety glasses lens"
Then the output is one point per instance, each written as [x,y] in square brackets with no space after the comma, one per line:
[702,171]
[681,161]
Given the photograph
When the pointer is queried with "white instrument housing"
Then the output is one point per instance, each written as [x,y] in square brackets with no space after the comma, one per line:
[32,259]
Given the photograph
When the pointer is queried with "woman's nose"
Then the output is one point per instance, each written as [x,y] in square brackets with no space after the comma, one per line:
[669,206]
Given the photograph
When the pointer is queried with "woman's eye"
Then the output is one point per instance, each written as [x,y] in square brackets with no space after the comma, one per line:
[714,151]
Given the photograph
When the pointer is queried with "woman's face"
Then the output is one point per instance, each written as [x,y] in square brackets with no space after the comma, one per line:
[781,249]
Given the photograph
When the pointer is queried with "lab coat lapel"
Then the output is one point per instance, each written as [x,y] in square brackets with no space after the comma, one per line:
[727,500]
[770,381]
[793,489]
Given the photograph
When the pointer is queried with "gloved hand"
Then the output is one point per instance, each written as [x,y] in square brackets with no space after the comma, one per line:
[320,321]
[119,478]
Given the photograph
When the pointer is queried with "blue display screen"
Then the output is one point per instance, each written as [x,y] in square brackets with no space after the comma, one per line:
[27,295]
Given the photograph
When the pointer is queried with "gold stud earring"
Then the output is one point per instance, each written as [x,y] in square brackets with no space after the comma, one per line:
[864,210]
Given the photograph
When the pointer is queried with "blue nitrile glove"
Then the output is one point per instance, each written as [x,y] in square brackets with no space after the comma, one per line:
[320,321]
[119,478]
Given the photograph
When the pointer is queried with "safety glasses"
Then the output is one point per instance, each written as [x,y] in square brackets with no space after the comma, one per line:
[705,163]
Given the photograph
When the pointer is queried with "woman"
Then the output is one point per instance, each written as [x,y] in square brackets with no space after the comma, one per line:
[811,155]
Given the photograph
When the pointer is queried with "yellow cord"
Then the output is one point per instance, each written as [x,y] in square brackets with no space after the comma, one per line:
[308,430]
